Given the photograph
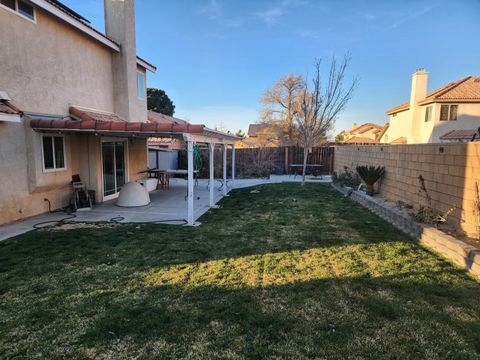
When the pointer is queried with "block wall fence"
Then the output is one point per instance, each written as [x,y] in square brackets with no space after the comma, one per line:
[451,172]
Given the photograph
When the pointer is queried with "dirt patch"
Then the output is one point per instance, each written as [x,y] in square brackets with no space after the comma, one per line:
[79,225]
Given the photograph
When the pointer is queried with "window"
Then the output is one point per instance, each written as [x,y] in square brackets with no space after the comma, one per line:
[448,112]
[428,113]
[140,85]
[394,114]
[22,7]
[53,150]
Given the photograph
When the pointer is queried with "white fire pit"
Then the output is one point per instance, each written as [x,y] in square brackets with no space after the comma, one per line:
[133,194]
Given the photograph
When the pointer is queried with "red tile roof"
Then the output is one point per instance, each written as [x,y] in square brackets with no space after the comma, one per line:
[463,90]
[465,134]
[364,127]
[156,117]
[6,107]
[87,119]
[360,140]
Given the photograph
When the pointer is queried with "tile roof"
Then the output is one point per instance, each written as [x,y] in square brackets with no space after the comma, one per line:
[360,140]
[463,90]
[155,117]
[255,129]
[363,128]
[383,131]
[465,134]
[97,121]
[6,107]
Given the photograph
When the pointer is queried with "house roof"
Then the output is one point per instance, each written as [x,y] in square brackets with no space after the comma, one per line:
[6,107]
[383,131]
[255,129]
[58,9]
[463,90]
[93,121]
[363,127]
[155,117]
[400,140]
[465,134]
[360,140]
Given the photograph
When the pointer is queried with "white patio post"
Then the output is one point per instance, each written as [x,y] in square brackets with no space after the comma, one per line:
[224,188]
[190,219]
[233,165]
[211,148]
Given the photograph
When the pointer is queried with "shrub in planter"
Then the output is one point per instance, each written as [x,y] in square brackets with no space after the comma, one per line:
[346,178]
[370,175]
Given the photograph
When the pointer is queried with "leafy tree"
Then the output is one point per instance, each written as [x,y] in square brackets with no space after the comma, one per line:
[340,137]
[158,100]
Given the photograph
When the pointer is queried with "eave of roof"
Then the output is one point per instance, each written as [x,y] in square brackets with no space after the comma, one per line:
[77,21]
[465,90]
[360,140]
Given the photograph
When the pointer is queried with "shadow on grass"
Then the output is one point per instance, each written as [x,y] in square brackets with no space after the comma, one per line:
[337,317]
[288,271]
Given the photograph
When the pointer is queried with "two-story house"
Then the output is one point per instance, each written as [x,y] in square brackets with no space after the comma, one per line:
[73,102]
[429,116]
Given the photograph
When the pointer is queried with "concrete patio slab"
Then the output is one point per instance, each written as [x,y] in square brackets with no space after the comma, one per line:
[169,205]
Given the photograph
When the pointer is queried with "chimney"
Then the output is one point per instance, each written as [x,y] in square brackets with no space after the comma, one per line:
[419,87]
[354,125]
[120,26]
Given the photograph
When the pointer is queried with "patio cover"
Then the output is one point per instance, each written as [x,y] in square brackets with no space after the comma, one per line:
[100,123]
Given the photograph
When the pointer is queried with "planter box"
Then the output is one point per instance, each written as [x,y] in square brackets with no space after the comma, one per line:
[457,251]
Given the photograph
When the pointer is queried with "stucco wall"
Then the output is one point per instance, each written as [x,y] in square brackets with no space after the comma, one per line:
[450,172]
[400,125]
[46,66]
[468,117]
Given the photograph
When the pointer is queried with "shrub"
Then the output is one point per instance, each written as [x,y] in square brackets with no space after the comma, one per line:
[370,175]
[346,178]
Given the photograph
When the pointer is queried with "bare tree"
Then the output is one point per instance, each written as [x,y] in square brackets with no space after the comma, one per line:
[281,105]
[320,106]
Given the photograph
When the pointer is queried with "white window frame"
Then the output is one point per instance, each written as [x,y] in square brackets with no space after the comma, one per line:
[126,157]
[448,112]
[54,169]
[16,12]
[144,86]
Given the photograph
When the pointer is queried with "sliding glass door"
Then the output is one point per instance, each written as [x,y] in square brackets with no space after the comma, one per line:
[114,170]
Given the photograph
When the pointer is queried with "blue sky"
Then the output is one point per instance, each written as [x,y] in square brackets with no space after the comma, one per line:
[215,58]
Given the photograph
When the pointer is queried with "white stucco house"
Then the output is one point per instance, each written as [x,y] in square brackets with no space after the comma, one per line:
[435,116]
[73,101]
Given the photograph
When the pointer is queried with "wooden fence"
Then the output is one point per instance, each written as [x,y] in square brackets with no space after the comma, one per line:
[261,162]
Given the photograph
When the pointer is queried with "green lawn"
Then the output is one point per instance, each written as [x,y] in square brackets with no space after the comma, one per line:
[282,272]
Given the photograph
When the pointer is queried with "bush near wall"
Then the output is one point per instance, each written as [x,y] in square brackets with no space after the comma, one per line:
[451,172]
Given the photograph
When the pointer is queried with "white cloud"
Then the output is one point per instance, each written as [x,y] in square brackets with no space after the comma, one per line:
[273,14]
[214,10]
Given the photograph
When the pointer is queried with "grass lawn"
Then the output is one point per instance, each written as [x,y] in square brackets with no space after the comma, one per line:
[282,272]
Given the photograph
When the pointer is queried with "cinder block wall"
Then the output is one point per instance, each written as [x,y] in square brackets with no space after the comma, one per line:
[450,171]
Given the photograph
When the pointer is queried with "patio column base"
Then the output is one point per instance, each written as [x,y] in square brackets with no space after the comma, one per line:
[195,224]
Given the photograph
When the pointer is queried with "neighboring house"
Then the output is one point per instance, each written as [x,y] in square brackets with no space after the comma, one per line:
[73,101]
[262,135]
[429,116]
[367,133]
